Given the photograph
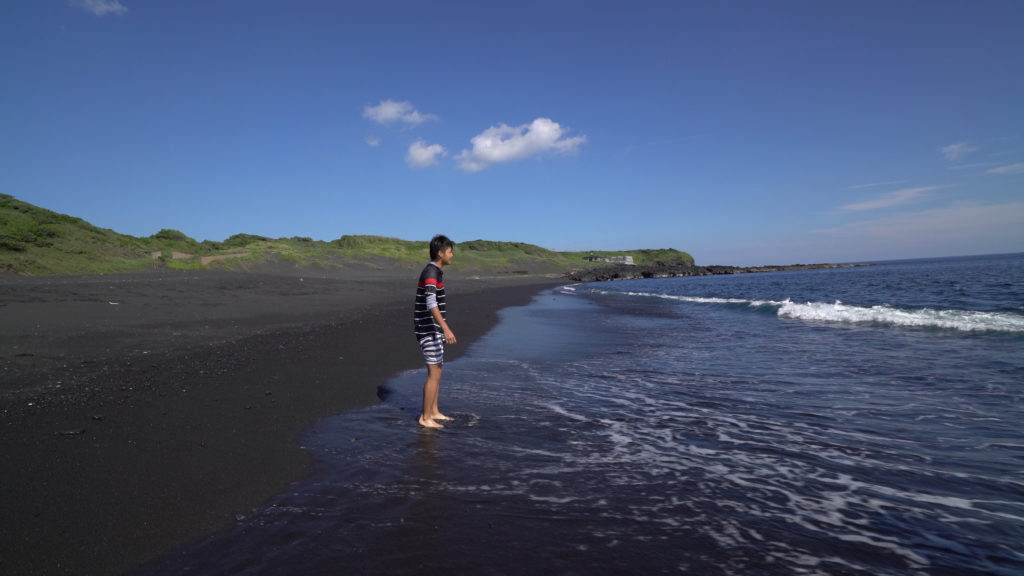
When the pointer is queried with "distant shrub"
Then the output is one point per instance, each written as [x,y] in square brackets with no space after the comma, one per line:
[172,235]
[17,235]
[494,246]
[239,240]
[11,245]
[350,242]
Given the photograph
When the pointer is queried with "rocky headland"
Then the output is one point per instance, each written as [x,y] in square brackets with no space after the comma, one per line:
[661,270]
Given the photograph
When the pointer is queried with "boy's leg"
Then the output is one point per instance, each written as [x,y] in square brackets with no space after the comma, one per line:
[430,391]
[435,414]
[433,355]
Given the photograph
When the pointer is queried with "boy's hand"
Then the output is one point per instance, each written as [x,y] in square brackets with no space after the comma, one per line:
[449,337]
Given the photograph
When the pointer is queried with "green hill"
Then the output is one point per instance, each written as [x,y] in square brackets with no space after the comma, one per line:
[35,240]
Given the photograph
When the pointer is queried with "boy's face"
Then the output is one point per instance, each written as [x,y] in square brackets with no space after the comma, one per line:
[446,256]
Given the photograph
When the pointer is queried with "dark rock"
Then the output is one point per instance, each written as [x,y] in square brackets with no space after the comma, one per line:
[661,270]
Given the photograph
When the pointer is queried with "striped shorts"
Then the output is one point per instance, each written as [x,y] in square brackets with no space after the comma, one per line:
[433,349]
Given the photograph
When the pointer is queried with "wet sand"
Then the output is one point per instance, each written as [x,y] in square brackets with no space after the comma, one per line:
[142,412]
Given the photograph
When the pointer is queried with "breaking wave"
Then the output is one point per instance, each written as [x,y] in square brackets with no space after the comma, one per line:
[837,312]
[963,320]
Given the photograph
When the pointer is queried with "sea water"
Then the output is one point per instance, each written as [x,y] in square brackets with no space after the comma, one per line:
[863,420]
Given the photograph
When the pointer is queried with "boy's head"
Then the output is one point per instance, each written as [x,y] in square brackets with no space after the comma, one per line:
[439,244]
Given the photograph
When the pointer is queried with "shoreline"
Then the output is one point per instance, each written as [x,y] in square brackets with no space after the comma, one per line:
[144,412]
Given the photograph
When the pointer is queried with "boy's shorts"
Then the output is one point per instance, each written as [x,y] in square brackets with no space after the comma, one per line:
[433,349]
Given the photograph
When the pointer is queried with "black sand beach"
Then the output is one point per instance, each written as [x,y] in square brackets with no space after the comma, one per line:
[145,411]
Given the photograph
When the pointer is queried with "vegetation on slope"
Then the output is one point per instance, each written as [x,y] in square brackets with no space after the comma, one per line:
[34,240]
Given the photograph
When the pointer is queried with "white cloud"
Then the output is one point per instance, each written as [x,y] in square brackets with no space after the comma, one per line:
[101,7]
[389,111]
[1017,168]
[888,200]
[372,141]
[507,143]
[420,155]
[961,228]
[954,152]
[875,184]
[970,166]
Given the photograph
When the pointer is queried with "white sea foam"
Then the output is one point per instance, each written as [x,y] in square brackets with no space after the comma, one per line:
[697,299]
[962,320]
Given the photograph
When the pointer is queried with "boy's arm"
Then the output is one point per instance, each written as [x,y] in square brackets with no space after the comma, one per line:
[449,337]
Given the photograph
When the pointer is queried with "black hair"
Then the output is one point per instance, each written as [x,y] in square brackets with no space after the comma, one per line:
[439,244]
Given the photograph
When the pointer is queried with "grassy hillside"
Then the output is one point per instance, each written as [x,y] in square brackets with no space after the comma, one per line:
[34,240]
[640,257]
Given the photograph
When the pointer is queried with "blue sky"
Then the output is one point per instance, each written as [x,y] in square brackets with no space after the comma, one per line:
[743,132]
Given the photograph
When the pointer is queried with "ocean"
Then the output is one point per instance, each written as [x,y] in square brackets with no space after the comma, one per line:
[864,421]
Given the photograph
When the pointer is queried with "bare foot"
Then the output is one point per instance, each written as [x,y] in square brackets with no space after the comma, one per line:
[429,423]
[439,416]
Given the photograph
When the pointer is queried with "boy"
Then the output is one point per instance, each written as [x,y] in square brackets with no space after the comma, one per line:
[432,331]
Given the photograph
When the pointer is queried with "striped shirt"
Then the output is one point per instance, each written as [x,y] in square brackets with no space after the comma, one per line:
[429,294]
